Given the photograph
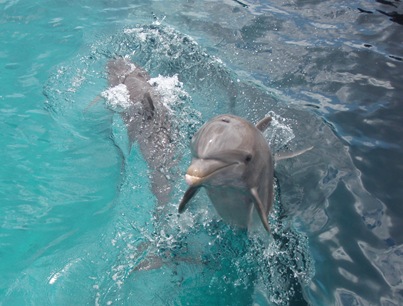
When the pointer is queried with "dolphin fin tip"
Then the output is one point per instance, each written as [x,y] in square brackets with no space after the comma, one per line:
[260,209]
[182,206]
[186,197]
[266,225]
[92,103]
[263,124]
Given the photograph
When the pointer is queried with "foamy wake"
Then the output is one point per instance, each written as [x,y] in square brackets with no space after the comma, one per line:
[117,98]
[170,90]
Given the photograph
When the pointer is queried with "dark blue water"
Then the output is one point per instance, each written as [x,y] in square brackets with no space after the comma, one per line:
[78,212]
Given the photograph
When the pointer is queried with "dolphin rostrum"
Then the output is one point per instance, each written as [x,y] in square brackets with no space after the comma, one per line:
[232,160]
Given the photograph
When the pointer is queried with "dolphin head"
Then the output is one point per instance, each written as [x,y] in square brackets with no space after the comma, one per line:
[221,153]
[119,69]
[230,152]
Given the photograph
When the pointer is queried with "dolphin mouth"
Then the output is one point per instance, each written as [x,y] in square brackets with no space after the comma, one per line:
[193,180]
[202,169]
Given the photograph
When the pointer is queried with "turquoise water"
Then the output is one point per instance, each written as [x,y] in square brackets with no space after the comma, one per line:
[78,214]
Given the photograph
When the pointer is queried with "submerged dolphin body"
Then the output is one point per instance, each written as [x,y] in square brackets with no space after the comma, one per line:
[233,162]
[147,121]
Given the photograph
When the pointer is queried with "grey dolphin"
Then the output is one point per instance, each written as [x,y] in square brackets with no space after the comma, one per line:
[233,162]
[147,121]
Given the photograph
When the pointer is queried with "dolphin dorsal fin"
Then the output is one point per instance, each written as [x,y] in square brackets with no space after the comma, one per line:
[260,208]
[148,105]
[263,124]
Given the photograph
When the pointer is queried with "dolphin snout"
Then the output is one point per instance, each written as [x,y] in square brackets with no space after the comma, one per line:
[202,169]
[196,169]
[193,180]
[196,173]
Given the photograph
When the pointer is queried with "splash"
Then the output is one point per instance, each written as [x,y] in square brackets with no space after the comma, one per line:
[279,133]
[170,90]
[117,98]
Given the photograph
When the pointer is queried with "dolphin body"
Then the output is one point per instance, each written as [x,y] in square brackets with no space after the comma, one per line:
[147,121]
[233,162]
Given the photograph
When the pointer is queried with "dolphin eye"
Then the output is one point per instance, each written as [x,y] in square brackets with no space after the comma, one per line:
[248,158]
[225,119]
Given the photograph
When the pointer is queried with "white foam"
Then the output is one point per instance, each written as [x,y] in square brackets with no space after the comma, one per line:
[169,88]
[117,98]
[60,273]
[279,133]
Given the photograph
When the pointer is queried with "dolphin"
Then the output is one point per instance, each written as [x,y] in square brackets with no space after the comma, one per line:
[147,121]
[232,160]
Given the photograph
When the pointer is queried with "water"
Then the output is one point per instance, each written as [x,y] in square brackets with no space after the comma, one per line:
[78,214]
